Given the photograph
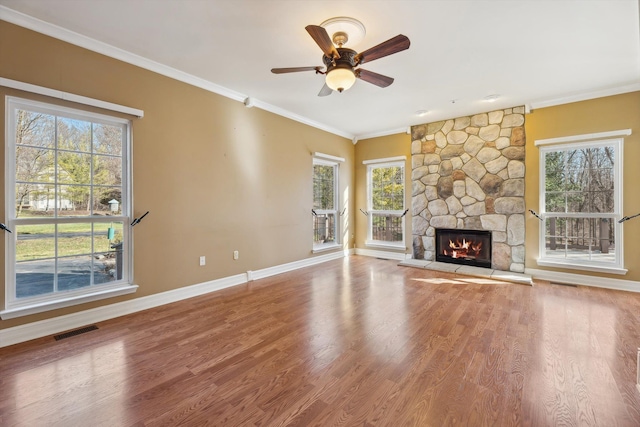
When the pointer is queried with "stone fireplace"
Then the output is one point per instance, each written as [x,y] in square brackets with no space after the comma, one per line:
[468,174]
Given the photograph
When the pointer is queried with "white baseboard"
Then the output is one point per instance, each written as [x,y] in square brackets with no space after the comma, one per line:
[398,256]
[308,262]
[583,279]
[43,328]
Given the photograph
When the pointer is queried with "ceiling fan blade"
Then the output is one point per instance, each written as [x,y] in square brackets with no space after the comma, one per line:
[373,78]
[391,46]
[293,69]
[321,37]
[326,90]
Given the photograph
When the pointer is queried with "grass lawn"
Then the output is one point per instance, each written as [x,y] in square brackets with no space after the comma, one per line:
[69,242]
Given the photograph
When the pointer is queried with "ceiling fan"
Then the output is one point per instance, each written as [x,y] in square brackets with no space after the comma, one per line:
[341,62]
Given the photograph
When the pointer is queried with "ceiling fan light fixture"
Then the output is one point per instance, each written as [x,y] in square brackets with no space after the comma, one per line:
[340,78]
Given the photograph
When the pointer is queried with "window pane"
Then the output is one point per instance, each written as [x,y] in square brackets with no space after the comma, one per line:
[108,264]
[74,168]
[586,239]
[35,241]
[387,188]
[323,187]
[555,247]
[35,253]
[35,129]
[74,272]
[107,201]
[555,202]
[324,227]
[554,171]
[387,228]
[74,135]
[35,200]
[73,200]
[577,201]
[34,277]
[107,139]
[35,165]
[107,170]
[74,239]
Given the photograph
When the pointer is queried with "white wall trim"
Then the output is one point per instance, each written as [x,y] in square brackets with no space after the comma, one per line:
[42,328]
[584,137]
[41,90]
[304,120]
[583,279]
[93,45]
[295,265]
[385,160]
[585,96]
[328,157]
[380,133]
[398,256]
[41,307]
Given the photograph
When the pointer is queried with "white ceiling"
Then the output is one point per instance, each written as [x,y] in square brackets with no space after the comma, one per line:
[532,52]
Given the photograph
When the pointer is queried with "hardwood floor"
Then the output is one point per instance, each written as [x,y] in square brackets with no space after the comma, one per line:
[354,342]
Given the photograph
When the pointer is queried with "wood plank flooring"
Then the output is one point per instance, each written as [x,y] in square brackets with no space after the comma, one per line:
[353,342]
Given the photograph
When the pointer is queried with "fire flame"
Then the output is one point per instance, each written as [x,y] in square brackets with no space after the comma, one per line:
[466,249]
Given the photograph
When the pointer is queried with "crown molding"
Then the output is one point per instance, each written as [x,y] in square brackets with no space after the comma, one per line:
[380,133]
[60,33]
[585,96]
[298,118]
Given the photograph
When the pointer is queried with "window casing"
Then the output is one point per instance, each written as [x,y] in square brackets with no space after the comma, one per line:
[325,203]
[386,203]
[68,204]
[581,203]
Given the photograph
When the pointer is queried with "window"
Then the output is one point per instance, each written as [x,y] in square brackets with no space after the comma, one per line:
[581,201]
[385,206]
[325,201]
[67,203]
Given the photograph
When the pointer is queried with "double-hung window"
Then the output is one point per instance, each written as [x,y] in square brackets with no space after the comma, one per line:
[581,202]
[68,207]
[325,201]
[385,202]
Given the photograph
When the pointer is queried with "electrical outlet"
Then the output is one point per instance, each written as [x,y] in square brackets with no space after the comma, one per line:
[236,254]
[203,261]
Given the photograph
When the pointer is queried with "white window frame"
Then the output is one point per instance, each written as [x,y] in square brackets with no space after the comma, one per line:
[334,161]
[615,139]
[398,161]
[15,307]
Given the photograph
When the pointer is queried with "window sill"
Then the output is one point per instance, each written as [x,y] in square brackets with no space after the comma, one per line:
[40,307]
[385,245]
[325,248]
[583,267]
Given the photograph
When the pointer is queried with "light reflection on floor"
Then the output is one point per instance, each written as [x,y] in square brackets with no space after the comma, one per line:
[460,281]
[93,379]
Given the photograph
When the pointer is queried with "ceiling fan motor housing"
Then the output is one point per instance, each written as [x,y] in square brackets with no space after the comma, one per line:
[347,59]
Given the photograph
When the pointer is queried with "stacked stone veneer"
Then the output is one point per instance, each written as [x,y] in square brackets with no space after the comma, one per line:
[468,173]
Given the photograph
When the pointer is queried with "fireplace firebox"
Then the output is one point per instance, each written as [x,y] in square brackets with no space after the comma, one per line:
[467,247]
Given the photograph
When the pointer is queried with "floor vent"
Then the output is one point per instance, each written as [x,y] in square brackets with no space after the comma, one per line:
[75,332]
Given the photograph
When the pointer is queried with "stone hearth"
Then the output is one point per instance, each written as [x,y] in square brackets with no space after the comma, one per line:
[468,173]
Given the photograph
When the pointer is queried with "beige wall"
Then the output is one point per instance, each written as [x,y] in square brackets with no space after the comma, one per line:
[597,115]
[216,176]
[379,148]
